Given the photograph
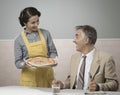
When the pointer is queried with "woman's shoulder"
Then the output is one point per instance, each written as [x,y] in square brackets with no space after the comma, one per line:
[18,38]
[44,30]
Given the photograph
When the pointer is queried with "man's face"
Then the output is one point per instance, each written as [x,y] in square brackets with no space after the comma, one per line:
[80,40]
[32,24]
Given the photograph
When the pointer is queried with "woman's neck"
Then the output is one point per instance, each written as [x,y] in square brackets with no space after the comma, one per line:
[28,31]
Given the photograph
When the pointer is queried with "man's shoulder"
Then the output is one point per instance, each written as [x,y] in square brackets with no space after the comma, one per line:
[103,54]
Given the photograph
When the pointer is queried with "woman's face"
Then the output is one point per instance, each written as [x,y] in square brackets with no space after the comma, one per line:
[32,24]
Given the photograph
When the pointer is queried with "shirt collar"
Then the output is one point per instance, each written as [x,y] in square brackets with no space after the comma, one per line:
[90,54]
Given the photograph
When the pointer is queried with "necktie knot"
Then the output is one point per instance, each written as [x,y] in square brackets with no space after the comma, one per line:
[84,57]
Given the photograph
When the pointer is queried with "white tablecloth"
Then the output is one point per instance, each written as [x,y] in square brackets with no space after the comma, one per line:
[20,90]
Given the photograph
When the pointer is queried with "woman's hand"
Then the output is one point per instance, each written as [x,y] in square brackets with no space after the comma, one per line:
[25,63]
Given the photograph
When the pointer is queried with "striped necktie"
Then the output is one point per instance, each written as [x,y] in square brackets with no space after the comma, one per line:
[80,82]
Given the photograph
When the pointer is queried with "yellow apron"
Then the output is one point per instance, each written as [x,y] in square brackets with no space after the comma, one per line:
[36,77]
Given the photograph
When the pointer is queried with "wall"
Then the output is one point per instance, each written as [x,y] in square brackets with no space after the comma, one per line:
[9,75]
[61,16]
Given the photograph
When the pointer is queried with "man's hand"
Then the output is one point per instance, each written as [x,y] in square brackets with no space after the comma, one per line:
[58,82]
[93,86]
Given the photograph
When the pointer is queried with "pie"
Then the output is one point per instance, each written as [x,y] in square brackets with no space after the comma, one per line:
[41,61]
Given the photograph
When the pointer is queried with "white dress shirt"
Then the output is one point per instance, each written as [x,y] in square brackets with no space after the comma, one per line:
[89,58]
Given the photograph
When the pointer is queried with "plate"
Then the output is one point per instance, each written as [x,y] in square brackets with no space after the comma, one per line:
[41,62]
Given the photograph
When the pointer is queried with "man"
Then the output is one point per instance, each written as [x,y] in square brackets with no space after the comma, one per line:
[99,67]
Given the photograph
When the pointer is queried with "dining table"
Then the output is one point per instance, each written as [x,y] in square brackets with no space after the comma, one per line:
[23,90]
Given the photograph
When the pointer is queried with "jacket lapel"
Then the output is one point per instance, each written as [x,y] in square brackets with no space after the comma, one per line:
[95,64]
[75,68]
[77,63]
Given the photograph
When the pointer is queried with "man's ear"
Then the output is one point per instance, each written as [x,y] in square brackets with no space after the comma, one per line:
[87,40]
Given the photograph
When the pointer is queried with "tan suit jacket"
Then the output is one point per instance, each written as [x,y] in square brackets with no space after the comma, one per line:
[102,70]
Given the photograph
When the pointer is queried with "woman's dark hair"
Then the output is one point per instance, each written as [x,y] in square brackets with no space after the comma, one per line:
[26,13]
[90,32]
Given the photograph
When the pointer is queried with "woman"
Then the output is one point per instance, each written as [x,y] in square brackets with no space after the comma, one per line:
[33,42]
